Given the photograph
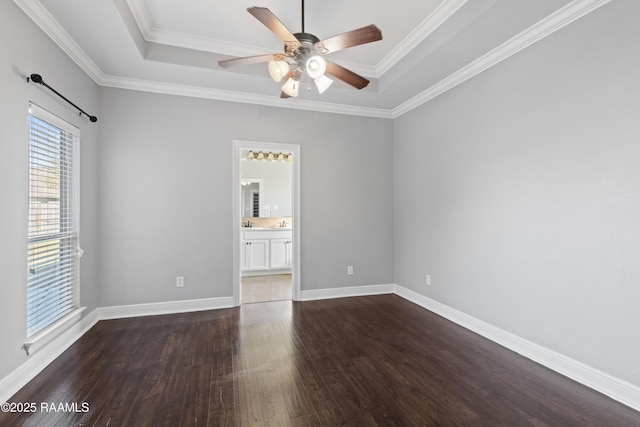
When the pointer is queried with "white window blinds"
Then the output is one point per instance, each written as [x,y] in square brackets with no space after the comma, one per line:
[53,220]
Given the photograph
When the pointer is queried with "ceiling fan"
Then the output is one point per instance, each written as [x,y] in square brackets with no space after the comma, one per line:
[303,52]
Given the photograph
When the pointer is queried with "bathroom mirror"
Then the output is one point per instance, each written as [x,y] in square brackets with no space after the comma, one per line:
[251,190]
[268,189]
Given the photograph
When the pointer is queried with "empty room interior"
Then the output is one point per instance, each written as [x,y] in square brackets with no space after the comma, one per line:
[320,213]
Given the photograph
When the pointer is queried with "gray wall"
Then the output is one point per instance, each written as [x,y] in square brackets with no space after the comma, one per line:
[165,194]
[24,50]
[518,191]
[528,184]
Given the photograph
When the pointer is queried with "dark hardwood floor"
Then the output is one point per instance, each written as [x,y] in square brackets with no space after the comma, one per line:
[355,361]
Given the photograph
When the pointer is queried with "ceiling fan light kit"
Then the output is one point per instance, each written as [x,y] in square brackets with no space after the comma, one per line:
[278,69]
[316,66]
[291,87]
[303,53]
[322,83]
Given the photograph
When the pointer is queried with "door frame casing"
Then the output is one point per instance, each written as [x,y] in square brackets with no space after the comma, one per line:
[238,146]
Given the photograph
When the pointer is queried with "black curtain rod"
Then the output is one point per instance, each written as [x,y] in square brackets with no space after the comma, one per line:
[37,78]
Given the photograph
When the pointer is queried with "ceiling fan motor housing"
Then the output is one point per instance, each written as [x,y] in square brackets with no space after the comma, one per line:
[306,49]
[303,52]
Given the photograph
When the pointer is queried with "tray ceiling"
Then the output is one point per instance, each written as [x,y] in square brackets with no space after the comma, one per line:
[174,47]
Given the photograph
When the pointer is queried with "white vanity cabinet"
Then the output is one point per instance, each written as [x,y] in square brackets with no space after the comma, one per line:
[255,254]
[266,251]
[280,251]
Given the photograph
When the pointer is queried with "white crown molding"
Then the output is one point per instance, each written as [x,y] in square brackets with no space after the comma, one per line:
[617,389]
[421,32]
[243,97]
[142,18]
[206,44]
[47,23]
[187,41]
[538,31]
[41,17]
[547,26]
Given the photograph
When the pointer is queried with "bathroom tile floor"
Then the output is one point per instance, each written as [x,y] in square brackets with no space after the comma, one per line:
[266,288]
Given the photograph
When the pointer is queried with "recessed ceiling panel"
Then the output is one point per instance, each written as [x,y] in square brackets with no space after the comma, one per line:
[174,46]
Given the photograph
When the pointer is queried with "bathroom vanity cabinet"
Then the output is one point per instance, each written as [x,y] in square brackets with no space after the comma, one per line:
[266,250]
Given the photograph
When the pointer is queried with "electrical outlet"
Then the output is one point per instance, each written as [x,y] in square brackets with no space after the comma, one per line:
[180,282]
[428,280]
[350,270]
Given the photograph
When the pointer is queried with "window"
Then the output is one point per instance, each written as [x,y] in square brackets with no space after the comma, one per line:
[53,251]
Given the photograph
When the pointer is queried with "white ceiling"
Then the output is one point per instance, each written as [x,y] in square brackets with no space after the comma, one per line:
[173,46]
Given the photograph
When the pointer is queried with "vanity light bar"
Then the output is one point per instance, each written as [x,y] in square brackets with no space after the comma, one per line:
[282,157]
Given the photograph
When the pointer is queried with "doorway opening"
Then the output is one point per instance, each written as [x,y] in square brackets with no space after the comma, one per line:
[266,222]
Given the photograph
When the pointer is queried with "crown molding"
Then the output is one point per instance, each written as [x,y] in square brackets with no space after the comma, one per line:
[421,32]
[47,23]
[538,31]
[547,26]
[206,44]
[142,18]
[187,41]
[242,97]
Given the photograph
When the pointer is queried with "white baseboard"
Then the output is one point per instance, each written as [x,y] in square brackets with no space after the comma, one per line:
[35,363]
[352,291]
[615,388]
[167,307]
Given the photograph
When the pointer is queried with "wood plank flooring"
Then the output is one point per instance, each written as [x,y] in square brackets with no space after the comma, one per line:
[366,361]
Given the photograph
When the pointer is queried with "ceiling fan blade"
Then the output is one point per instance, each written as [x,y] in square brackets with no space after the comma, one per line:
[357,37]
[346,75]
[248,60]
[284,95]
[270,21]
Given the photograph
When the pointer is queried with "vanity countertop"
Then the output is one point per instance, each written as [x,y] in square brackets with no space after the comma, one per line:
[266,228]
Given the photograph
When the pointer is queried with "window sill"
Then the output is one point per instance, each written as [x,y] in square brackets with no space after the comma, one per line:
[47,335]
